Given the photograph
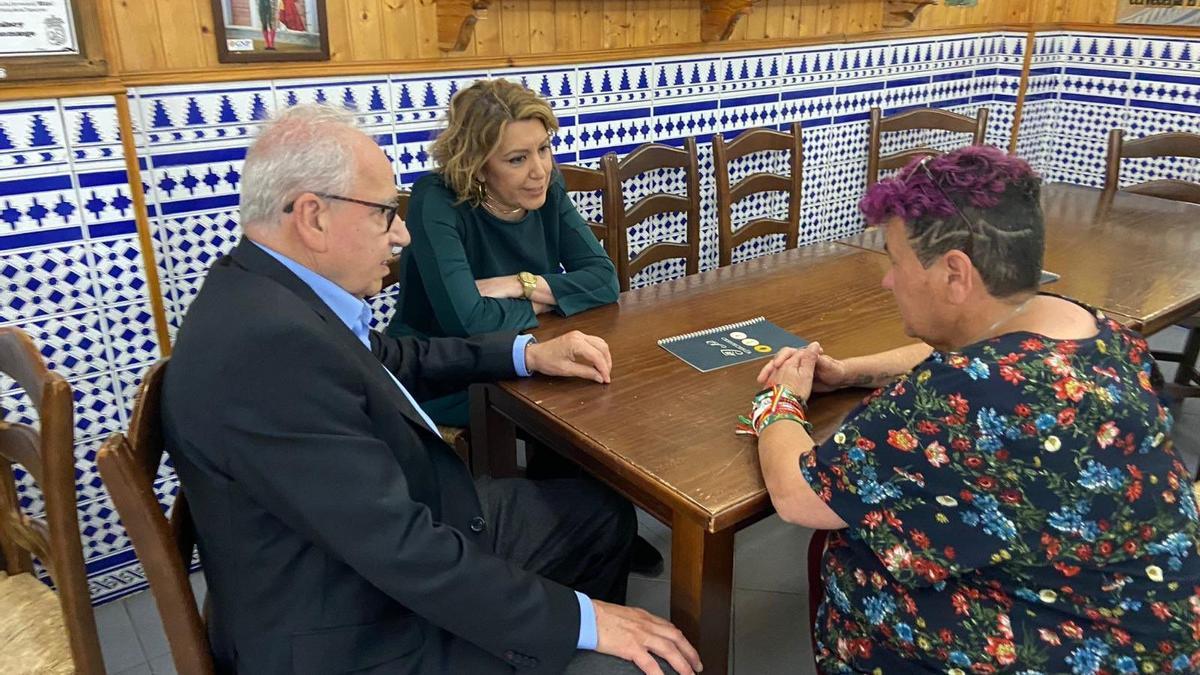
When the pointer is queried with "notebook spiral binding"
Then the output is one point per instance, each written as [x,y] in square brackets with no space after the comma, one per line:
[710,331]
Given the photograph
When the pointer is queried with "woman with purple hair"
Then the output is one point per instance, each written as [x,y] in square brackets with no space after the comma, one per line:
[1009,498]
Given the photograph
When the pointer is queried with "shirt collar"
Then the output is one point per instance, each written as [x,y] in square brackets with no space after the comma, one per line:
[352,311]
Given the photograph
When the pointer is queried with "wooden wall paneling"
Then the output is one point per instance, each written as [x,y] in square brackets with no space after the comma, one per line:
[140,36]
[660,10]
[427,35]
[640,22]
[364,20]
[1089,11]
[756,20]
[400,29]
[514,26]
[487,39]
[808,18]
[542,27]
[679,19]
[791,19]
[591,22]
[825,17]
[567,25]
[188,46]
[776,11]
[691,27]
[616,18]
[341,48]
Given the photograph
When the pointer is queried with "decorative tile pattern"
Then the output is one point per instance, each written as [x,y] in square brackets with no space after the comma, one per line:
[72,278]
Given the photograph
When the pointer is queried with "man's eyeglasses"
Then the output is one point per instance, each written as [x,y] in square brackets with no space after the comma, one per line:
[972,230]
[389,211]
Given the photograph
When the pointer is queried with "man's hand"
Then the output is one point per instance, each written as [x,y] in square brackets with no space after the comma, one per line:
[636,635]
[574,354]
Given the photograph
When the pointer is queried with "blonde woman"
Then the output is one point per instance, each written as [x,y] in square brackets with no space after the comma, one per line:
[496,240]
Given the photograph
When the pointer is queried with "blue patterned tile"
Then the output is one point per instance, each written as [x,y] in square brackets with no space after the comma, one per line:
[423,99]
[72,345]
[40,282]
[189,114]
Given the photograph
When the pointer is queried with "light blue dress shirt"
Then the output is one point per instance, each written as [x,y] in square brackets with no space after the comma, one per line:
[356,314]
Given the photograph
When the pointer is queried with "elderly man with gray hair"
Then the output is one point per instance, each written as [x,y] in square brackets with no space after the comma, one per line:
[338,531]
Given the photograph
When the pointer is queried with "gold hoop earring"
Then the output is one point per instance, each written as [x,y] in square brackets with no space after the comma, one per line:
[480,191]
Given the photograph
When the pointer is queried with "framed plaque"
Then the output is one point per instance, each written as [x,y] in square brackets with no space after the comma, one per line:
[250,31]
[45,39]
[1159,12]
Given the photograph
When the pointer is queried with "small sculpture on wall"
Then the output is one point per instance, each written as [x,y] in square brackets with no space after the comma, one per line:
[901,13]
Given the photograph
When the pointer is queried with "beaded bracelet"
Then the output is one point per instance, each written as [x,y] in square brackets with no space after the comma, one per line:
[770,406]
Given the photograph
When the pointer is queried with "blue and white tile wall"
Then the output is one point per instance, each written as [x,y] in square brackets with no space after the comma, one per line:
[71,276]
[70,263]
[1082,85]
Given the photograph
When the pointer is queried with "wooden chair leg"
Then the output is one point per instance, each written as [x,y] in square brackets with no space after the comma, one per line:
[1186,373]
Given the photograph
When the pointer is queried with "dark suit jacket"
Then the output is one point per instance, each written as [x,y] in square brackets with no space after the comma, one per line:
[334,527]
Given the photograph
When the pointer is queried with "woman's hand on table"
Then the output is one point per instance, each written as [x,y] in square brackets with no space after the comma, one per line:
[793,368]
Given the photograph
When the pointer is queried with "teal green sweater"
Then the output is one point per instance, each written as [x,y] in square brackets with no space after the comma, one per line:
[453,245]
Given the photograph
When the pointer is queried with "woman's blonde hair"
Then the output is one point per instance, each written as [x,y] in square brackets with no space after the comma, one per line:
[477,119]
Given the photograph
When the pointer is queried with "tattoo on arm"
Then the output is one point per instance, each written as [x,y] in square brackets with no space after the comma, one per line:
[873,379]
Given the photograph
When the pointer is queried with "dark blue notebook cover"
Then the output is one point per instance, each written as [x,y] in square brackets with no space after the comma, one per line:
[730,344]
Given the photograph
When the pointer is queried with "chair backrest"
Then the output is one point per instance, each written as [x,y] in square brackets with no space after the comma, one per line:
[652,157]
[164,547]
[1158,145]
[749,142]
[393,275]
[921,118]
[583,179]
[47,454]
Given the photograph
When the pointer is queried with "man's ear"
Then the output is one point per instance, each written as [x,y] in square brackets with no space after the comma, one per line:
[960,276]
[310,222]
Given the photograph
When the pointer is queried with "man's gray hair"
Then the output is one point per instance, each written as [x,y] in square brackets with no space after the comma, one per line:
[303,149]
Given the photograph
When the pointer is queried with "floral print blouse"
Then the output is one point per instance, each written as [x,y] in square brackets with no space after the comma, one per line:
[1016,506]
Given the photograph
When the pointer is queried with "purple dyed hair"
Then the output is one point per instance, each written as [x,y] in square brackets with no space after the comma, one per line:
[975,176]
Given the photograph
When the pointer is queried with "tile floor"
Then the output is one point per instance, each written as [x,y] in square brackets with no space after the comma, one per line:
[770,608]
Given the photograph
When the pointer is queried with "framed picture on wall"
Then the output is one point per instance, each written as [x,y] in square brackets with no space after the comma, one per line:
[50,38]
[250,31]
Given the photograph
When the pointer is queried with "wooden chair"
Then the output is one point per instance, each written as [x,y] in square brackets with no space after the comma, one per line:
[1158,145]
[393,276]
[583,179]
[163,546]
[41,631]
[1187,379]
[756,140]
[651,157]
[921,118]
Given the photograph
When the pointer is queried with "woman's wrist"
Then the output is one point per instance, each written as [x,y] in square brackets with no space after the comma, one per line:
[776,404]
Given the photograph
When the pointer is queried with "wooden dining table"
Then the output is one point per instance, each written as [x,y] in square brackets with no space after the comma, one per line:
[662,432]
[1132,256]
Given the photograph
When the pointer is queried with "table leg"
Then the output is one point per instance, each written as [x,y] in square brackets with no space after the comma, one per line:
[493,438]
[702,589]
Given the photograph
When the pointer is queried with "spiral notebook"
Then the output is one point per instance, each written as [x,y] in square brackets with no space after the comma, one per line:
[730,344]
